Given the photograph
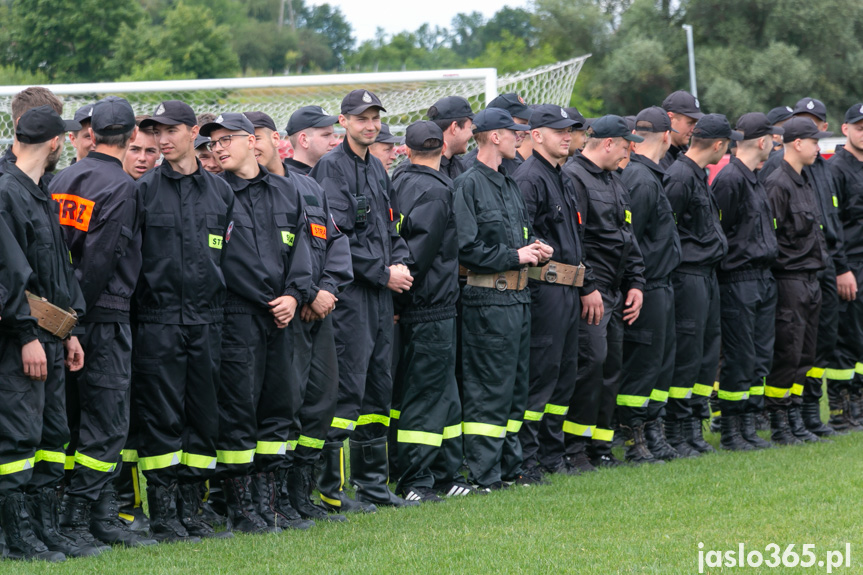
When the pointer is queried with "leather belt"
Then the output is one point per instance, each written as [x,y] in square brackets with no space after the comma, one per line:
[559,274]
[51,318]
[501,281]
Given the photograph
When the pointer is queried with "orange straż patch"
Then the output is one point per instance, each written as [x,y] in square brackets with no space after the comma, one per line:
[319,231]
[75,211]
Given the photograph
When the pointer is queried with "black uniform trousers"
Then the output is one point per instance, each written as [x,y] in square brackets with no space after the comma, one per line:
[848,352]
[103,386]
[257,396]
[797,308]
[697,324]
[496,371]
[555,313]
[828,334]
[33,425]
[175,376]
[648,357]
[317,375]
[429,434]
[748,312]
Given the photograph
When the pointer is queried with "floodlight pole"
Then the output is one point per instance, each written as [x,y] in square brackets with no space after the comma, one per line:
[693,88]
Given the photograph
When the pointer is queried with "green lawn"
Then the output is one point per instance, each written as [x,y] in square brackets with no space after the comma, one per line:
[646,519]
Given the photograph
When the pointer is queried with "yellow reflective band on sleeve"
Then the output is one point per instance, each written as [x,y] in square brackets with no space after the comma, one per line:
[17,466]
[533,415]
[94,464]
[215,241]
[756,390]
[129,455]
[474,428]
[839,374]
[701,389]
[452,431]
[235,457]
[858,368]
[271,447]
[525,232]
[628,215]
[370,418]
[51,457]
[513,426]
[310,442]
[679,392]
[720,215]
[775,227]
[198,461]
[796,389]
[632,400]
[578,429]
[835,202]
[659,395]
[777,392]
[556,409]
[395,414]
[159,461]
[69,464]
[288,238]
[733,395]
[420,437]
[603,434]
[340,423]
[399,223]
[816,372]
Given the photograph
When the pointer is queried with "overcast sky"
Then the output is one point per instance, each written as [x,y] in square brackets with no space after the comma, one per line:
[366,15]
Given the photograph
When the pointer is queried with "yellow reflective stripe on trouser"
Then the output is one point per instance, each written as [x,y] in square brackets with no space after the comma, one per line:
[69,464]
[533,415]
[733,395]
[292,444]
[159,461]
[235,457]
[756,390]
[199,461]
[603,434]
[632,400]
[796,389]
[701,389]
[51,456]
[578,429]
[659,395]
[779,392]
[16,466]
[395,414]
[513,426]
[373,418]
[839,374]
[420,437]
[679,392]
[310,442]
[271,447]
[452,431]
[95,464]
[129,455]
[858,368]
[487,429]
[556,409]
[816,372]
[341,423]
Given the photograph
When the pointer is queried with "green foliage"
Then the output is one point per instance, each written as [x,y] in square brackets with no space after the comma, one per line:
[636,76]
[511,54]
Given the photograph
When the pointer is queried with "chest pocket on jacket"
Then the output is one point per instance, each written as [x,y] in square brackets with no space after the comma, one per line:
[604,211]
[489,225]
[317,222]
[699,210]
[216,232]
[802,219]
[287,225]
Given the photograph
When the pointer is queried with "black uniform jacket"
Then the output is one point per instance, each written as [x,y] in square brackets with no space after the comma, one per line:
[672,155]
[847,174]
[14,273]
[292,165]
[450,167]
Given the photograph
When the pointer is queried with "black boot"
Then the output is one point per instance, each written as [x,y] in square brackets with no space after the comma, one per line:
[331,482]
[106,526]
[128,489]
[242,515]
[677,432]
[795,423]
[636,450]
[273,504]
[855,401]
[70,535]
[165,523]
[213,504]
[748,433]
[21,540]
[189,502]
[696,435]
[780,432]
[762,421]
[577,461]
[840,413]
[731,438]
[811,412]
[369,472]
[657,444]
[300,486]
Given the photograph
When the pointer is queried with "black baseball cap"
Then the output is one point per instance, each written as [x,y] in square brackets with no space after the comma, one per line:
[811,106]
[496,119]
[653,119]
[42,123]
[309,117]
[421,131]
[386,137]
[261,120]
[682,102]
[232,121]
[450,108]
[112,111]
[83,114]
[358,101]
[201,141]
[801,129]
[171,113]
[714,127]
[580,121]
[755,125]
[779,114]
[550,116]
[612,126]
[512,103]
[854,114]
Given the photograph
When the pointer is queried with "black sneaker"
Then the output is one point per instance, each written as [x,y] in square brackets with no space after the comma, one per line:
[496,486]
[578,464]
[606,460]
[455,489]
[422,495]
[528,477]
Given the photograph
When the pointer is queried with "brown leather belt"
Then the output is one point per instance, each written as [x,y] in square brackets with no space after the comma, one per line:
[501,281]
[559,274]
[51,318]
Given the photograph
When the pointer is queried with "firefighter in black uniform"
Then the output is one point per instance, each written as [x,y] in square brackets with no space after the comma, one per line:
[429,434]
[33,343]
[618,274]
[185,214]
[747,290]
[359,192]
[802,253]
[268,273]
[684,111]
[97,212]
[520,112]
[552,206]
[649,342]
[696,290]
[311,133]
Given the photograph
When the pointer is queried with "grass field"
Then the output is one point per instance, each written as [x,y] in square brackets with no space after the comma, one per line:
[646,519]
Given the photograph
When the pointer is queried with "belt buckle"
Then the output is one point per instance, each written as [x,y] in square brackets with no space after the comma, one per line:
[551,274]
[500,284]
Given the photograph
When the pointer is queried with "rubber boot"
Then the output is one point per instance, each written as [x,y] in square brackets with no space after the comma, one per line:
[331,482]
[577,461]
[780,432]
[165,523]
[636,446]
[731,439]
[106,525]
[795,423]
[300,486]
[189,511]
[696,435]
[369,472]
[128,489]
[21,540]
[811,412]
[677,433]
[213,504]
[70,536]
[840,413]
[749,434]
[657,444]
[242,515]
[272,503]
